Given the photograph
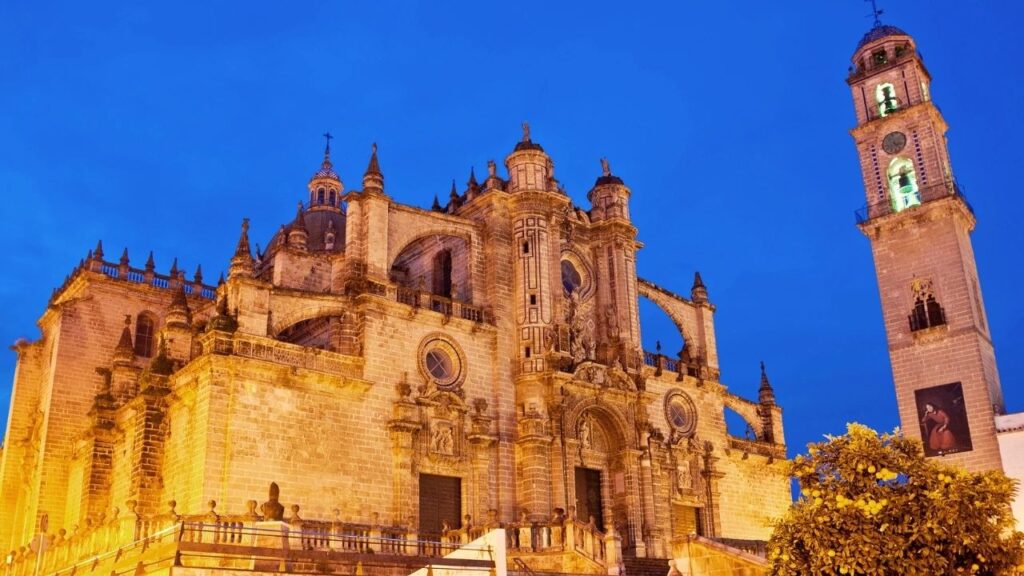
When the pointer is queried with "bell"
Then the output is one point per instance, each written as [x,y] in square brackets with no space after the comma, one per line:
[904,180]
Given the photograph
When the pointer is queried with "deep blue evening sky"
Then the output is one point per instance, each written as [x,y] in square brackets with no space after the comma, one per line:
[158,126]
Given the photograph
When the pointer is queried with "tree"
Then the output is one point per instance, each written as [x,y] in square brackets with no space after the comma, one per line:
[872,505]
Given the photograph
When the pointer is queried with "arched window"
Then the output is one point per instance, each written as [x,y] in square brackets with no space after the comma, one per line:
[571,279]
[885,96]
[144,329]
[443,274]
[332,202]
[903,188]
[320,196]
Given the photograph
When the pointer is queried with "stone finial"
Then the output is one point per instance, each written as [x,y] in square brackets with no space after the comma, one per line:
[699,292]
[98,252]
[212,514]
[453,198]
[373,178]
[242,262]
[174,268]
[179,314]
[242,249]
[198,276]
[436,206]
[250,509]
[298,236]
[526,132]
[295,519]
[124,353]
[472,184]
[765,394]
[272,508]
[606,169]
[124,257]
[150,263]
[161,365]
[492,169]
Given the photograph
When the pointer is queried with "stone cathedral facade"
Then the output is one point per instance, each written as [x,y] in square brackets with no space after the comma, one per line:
[404,370]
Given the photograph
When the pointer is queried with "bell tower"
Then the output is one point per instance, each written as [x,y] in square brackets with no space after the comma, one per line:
[919,224]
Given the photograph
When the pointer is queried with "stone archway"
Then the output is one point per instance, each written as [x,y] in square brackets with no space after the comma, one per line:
[603,469]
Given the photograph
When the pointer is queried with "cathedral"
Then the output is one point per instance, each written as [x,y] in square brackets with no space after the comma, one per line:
[383,377]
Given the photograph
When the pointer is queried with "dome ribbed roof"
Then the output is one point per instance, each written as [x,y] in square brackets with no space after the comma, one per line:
[326,171]
[878,32]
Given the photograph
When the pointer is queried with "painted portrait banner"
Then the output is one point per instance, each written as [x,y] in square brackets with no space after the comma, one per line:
[942,412]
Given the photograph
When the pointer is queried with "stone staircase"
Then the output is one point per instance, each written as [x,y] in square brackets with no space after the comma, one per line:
[645,566]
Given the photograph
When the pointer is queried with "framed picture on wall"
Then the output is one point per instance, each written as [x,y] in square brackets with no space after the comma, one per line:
[942,413]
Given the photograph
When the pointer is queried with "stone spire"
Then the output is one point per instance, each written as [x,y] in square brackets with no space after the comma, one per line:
[124,257]
[179,314]
[223,321]
[98,252]
[373,179]
[436,206]
[472,186]
[150,263]
[765,394]
[699,292]
[241,262]
[298,236]
[453,199]
[124,353]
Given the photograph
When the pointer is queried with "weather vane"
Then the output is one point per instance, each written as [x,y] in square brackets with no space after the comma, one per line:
[875,12]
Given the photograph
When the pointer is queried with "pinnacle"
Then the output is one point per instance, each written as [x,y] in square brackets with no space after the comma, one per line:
[698,282]
[374,166]
[243,241]
[125,342]
[179,300]
[124,257]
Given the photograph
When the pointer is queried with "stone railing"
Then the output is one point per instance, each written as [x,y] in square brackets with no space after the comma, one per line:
[148,276]
[123,544]
[566,536]
[257,348]
[423,300]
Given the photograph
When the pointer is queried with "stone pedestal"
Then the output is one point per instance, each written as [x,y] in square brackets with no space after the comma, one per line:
[277,536]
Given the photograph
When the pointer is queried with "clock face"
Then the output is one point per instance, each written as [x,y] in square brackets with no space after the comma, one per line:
[894,142]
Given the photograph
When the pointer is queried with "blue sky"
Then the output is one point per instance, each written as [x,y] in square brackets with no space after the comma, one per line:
[158,126]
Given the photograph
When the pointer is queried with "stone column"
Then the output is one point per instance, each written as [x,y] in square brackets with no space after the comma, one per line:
[403,428]
[533,447]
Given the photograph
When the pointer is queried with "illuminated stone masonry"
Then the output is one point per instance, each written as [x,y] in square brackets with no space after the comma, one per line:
[406,378]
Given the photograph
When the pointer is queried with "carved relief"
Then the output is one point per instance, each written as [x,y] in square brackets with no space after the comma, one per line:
[442,440]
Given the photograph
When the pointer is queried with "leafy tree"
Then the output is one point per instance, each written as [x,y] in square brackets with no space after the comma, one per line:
[872,505]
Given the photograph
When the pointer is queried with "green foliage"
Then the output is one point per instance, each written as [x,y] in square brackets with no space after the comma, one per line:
[872,505]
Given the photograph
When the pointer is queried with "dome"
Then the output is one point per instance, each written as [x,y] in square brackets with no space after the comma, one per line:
[326,171]
[317,223]
[528,145]
[878,32]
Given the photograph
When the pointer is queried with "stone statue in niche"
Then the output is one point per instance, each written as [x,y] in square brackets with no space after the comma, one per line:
[442,441]
[588,341]
[586,432]
[611,320]
[576,328]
